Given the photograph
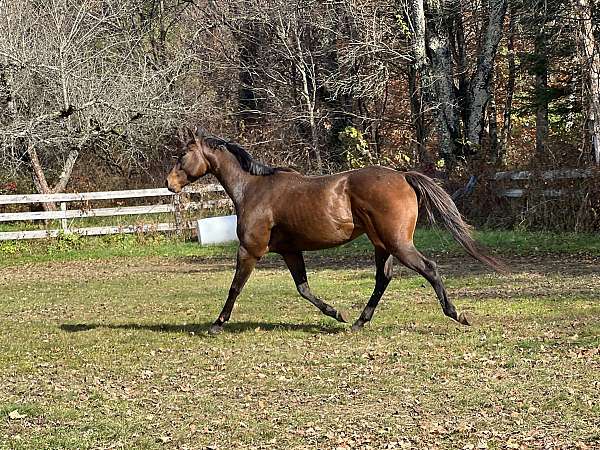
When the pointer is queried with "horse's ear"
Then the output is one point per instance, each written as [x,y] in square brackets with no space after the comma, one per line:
[200,132]
[190,133]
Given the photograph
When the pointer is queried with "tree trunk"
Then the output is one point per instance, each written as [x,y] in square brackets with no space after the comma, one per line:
[541,116]
[65,174]
[314,137]
[459,51]
[418,74]
[6,81]
[248,44]
[505,135]
[416,19]
[309,93]
[541,96]
[493,122]
[479,87]
[441,80]
[418,116]
[591,67]
[336,107]
[39,179]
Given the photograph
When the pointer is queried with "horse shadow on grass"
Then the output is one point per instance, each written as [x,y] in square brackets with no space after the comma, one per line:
[201,329]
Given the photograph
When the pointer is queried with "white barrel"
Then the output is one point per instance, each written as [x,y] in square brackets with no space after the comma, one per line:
[217,230]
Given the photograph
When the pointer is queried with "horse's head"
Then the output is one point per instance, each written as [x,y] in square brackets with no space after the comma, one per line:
[191,165]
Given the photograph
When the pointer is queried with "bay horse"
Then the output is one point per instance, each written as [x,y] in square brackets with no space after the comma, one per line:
[281,211]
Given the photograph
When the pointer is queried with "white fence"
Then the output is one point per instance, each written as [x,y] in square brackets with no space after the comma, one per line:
[176,207]
[549,175]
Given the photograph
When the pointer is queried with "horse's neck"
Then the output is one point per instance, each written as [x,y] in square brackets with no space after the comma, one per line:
[230,174]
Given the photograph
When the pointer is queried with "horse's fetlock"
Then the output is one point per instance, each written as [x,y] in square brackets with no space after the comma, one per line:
[450,311]
[329,311]
[215,328]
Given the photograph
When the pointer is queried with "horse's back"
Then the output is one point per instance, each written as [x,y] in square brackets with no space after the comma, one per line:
[339,194]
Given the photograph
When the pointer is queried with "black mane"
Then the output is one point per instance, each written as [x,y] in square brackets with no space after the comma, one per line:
[248,164]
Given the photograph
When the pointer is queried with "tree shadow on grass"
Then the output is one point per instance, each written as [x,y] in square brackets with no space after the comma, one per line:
[202,328]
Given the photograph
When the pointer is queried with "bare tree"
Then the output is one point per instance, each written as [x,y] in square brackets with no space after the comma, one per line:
[113,80]
[87,82]
[478,95]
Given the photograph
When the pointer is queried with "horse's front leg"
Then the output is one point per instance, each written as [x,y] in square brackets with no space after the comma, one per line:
[244,267]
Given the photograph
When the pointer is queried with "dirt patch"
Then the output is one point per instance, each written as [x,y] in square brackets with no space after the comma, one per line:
[572,265]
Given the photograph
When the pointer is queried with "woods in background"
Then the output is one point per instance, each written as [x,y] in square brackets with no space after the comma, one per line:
[93,93]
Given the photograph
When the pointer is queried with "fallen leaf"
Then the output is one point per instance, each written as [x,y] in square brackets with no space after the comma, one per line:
[16,415]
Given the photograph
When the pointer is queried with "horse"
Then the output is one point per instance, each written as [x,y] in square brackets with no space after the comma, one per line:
[282,211]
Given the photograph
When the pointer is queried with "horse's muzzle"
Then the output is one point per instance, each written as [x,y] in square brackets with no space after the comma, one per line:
[172,189]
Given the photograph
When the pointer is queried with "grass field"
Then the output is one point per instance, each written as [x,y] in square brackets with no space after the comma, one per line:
[106,347]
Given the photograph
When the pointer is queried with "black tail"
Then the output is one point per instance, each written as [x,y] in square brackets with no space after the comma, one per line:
[434,198]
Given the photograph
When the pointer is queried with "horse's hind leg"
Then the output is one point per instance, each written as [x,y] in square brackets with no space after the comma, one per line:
[295,262]
[414,260]
[384,265]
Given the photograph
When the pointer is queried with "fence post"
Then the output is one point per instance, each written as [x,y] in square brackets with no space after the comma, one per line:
[177,213]
[64,222]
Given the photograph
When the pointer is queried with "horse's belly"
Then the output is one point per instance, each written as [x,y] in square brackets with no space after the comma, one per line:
[313,235]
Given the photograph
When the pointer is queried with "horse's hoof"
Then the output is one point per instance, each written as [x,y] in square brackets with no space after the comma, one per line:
[462,318]
[342,316]
[357,327]
[215,329]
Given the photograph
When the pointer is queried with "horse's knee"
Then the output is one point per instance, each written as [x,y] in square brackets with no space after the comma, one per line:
[252,249]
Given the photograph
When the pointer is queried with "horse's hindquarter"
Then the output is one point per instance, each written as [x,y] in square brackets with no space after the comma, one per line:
[385,203]
[311,213]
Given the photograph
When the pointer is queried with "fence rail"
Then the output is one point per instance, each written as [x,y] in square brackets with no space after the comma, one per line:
[547,175]
[176,207]
[108,195]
